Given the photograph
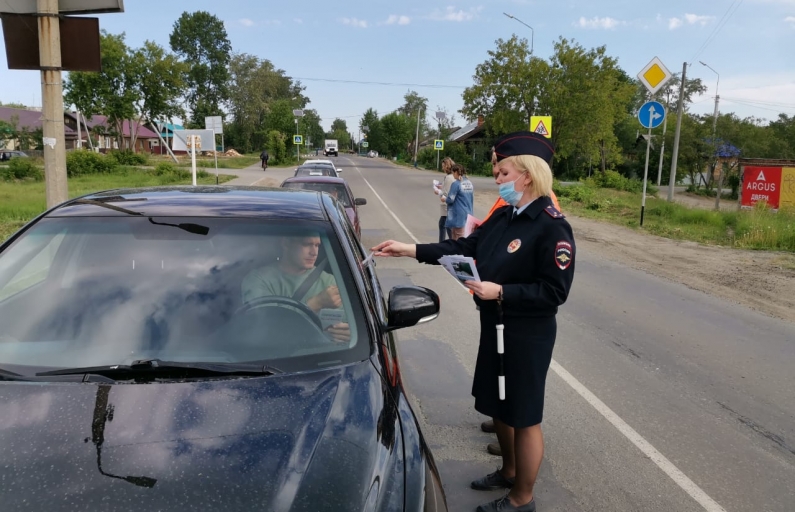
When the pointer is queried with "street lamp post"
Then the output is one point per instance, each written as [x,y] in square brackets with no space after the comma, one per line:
[532,37]
[714,141]
[532,32]
[440,116]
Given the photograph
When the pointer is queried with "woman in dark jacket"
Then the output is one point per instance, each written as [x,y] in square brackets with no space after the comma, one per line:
[525,259]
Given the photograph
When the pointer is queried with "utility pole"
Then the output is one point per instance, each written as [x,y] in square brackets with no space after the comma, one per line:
[679,111]
[417,137]
[714,140]
[662,149]
[56,186]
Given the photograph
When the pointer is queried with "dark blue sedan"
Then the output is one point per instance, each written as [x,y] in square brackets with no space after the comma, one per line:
[205,348]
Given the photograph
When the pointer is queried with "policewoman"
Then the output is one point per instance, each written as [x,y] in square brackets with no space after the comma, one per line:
[525,256]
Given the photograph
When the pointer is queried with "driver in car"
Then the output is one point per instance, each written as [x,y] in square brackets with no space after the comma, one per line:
[286,276]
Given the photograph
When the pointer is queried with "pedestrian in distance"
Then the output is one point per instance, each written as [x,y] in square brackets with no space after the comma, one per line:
[525,255]
[444,189]
[460,202]
[264,157]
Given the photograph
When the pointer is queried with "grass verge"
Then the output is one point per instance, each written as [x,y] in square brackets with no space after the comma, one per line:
[20,201]
[757,228]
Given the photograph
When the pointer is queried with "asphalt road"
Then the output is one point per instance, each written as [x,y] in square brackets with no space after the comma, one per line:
[659,398]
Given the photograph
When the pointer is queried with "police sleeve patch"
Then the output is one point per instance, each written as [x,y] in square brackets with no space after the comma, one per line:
[553,212]
[563,255]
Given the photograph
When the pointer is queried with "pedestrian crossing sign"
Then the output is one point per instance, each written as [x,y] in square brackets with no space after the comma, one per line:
[541,125]
[438,145]
[298,139]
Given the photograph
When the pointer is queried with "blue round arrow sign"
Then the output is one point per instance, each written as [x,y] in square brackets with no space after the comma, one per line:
[651,114]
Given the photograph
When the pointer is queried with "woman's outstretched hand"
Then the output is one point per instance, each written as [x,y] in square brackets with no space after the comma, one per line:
[393,248]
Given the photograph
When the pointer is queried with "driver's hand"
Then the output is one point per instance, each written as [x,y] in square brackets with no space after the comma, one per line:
[327,299]
[340,333]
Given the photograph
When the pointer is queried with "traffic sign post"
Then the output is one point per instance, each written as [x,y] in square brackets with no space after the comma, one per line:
[194,143]
[298,139]
[438,145]
[365,144]
[541,125]
[654,75]
[650,115]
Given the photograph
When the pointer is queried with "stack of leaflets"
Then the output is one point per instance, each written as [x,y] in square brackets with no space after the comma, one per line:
[461,267]
[471,224]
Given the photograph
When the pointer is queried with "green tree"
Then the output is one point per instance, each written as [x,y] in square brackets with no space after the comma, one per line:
[255,85]
[112,92]
[13,105]
[374,134]
[277,149]
[280,117]
[507,87]
[310,126]
[160,81]
[201,40]
[398,132]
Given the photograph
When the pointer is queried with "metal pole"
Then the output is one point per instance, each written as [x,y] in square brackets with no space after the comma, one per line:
[297,147]
[675,155]
[56,186]
[193,157]
[163,142]
[662,151]
[88,132]
[79,131]
[215,152]
[417,137]
[645,174]
[720,172]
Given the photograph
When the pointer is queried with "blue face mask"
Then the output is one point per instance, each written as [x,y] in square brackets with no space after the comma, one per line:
[509,194]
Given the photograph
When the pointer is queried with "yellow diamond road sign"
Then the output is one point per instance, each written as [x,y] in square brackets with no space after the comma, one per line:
[654,76]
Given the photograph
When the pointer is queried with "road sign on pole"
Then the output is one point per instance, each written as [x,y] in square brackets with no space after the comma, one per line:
[298,139]
[651,114]
[541,125]
[438,145]
[365,144]
[654,75]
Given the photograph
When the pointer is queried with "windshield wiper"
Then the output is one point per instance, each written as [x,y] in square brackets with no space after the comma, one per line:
[7,375]
[155,368]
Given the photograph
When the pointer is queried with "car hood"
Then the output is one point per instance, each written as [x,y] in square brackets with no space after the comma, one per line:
[292,442]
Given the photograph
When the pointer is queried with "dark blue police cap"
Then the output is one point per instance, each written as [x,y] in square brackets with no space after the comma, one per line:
[524,143]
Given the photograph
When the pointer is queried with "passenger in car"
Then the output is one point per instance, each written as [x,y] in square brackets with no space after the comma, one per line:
[294,275]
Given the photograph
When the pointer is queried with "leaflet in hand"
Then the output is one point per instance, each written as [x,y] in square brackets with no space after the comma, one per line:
[437,187]
[471,224]
[329,317]
[461,267]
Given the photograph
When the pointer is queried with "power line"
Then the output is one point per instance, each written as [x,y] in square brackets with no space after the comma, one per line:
[721,23]
[771,103]
[432,86]
[778,111]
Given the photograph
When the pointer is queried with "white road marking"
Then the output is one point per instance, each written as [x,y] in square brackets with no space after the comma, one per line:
[674,473]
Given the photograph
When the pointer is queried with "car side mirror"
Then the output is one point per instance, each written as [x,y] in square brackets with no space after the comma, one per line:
[411,305]
[360,201]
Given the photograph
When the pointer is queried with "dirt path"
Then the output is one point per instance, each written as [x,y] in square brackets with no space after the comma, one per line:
[761,280]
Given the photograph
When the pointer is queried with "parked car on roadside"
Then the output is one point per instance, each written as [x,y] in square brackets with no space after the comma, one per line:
[8,154]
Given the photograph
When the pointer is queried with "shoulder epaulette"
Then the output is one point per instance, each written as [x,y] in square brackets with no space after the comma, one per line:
[554,213]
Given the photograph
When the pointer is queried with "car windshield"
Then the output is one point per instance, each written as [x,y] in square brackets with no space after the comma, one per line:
[315,171]
[335,190]
[78,292]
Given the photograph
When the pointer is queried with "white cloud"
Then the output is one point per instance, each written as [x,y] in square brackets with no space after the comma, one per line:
[394,19]
[246,22]
[695,18]
[606,23]
[790,20]
[354,22]
[453,14]
[298,20]
[674,23]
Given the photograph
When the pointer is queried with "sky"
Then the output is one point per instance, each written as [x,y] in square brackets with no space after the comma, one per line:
[436,45]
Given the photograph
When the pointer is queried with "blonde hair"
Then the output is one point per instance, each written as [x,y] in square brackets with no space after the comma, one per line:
[537,169]
[449,162]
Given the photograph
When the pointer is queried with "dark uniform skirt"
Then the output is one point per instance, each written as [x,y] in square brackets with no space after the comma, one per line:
[528,352]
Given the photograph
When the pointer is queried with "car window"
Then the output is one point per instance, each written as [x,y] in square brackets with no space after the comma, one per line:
[32,264]
[128,289]
[315,171]
[335,190]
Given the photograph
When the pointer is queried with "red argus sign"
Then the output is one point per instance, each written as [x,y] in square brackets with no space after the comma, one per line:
[761,184]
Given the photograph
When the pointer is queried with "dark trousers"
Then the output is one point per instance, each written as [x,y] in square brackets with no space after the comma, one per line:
[443,231]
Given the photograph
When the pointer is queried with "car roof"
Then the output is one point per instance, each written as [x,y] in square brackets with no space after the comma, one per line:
[201,201]
[315,179]
[319,161]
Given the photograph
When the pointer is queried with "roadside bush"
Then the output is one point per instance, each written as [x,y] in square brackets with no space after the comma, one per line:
[81,162]
[579,193]
[277,149]
[172,173]
[614,180]
[127,157]
[21,169]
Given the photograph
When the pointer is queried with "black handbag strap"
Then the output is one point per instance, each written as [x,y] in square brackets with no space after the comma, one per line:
[309,281]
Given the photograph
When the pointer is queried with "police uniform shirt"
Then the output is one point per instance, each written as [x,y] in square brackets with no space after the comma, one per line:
[531,256]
